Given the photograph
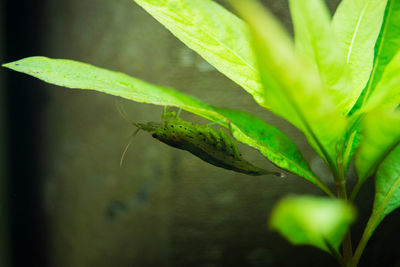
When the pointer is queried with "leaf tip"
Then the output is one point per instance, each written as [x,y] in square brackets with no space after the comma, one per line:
[11,65]
[7,65]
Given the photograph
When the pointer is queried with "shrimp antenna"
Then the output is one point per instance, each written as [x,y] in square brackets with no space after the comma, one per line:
[123,113]
[127,146]
[179,112]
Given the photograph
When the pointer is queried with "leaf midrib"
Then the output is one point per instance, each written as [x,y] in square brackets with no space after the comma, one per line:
[349,53]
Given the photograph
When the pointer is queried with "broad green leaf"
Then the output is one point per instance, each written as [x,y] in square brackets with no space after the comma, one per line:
[315,39]
[357,24]
[387,188]
[213,32]
[387,91]
[380,133]
[309,220]
[274,144]
[77,75]
[386,47]
[387,196]
[292,88]
[269,140]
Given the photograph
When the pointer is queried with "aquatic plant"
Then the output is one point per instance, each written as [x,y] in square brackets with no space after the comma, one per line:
[338,82]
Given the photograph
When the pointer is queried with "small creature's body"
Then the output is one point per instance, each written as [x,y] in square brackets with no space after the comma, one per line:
[203,141]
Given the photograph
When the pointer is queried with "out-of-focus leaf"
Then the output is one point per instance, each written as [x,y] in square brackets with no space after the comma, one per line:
[274,144]
[312,220]
[380,133]
[381,127]
[357,24]
[216,34]
[292,88]
[386,47]
[315,39]
[387,91]
[352,138]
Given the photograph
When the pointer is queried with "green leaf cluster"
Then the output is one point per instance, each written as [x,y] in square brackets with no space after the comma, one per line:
[338,82]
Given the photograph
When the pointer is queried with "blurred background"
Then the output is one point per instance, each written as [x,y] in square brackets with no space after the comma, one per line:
[64,199]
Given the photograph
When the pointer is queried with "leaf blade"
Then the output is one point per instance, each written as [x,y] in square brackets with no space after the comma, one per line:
[291,87]
[387,186]
[357,25]
[213,32]
[315,39]
[311,220]
[386,47]
[387,91]
[387,197]
[380,133]
[278,147]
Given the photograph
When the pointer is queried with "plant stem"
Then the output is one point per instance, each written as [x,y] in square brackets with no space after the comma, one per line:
[335,254]
[346,246]
[360,248]
[326,190]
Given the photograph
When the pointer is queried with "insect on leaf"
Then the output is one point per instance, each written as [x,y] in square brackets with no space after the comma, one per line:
[275,145]
[203,141]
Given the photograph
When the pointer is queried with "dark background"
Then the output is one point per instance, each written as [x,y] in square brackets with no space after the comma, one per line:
[66,202]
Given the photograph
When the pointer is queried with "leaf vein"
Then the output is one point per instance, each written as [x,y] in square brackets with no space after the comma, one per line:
[355,33]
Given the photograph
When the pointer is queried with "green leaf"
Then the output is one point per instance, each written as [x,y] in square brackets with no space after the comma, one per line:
[387,91]
[270,141]
[387,188]
[292,89]
[315,39]
[274,144]
[357,24]
[77,75]
[386,47]
[380,133]
[312,220]
[352,140]
[213,32]
[387,197]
